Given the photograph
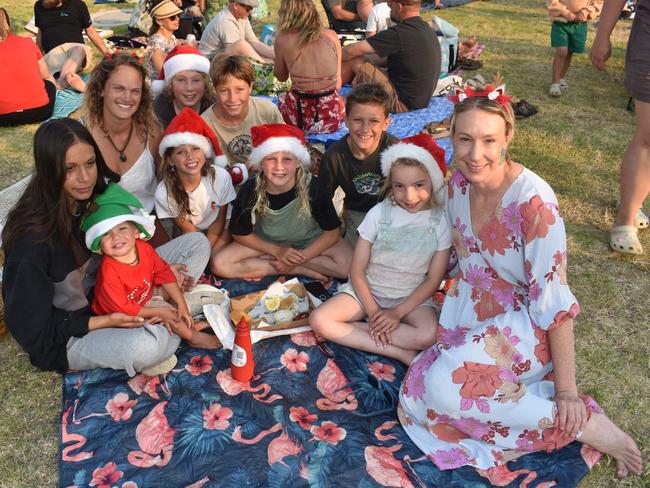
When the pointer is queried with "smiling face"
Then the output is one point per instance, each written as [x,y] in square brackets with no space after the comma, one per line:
[122,92]
[410,187]
[188,160]
[479,140]
[366,123]
[188,88]
[119,242]
[80,172]
[280,169]
[232,97]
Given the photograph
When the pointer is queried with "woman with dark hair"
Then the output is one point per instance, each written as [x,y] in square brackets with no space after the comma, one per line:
[27,90]
[119,116]
[49,273]
[165,19]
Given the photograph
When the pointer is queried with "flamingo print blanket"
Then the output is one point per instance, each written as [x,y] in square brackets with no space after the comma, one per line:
[312,416]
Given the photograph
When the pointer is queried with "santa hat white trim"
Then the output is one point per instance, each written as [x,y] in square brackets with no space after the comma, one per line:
[413,151]
[178,63]
[179,138]
[100,228]
[275,144]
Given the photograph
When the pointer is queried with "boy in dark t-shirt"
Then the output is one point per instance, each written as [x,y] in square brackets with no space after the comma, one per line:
[353,161]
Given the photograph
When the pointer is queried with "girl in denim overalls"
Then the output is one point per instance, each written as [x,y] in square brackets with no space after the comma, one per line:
[281,222]
[399,261]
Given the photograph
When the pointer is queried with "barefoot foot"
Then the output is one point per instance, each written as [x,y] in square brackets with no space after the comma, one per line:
[202,340]
[201,325]
[75,81]
[602,434]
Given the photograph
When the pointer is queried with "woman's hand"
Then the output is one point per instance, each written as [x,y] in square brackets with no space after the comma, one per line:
[291,256]
[184,316]
[600,52]
[571,413]
[185,281]
[124,321]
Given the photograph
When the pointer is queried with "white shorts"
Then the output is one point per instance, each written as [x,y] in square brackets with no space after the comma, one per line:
[383,302]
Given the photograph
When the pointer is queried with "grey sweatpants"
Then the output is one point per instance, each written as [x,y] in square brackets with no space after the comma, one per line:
[135,349]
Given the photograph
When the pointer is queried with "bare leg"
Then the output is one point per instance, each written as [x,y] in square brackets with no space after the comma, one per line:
[237,261]
[72,64]
[559,61]
[417,330]
[363,9]
[75,81]
[337,320]
[334,261]
[602,434]
[243,48]
[349,68]
[635,168]
[565,66]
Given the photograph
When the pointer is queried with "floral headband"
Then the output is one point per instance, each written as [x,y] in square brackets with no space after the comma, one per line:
[137,54]
[497,94]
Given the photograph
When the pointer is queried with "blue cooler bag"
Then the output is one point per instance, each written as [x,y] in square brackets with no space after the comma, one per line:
[448,38]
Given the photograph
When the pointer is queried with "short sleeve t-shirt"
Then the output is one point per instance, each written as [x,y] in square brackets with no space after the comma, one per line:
[235,141]
[59,25]
[19,59]
[413,59]
[360,179]
[401,218]
[379,18]
[205,200]
[322,208]
[224,29]
[127,288]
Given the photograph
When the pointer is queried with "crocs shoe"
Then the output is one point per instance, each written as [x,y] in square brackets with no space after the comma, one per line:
[564,84]
[162,367]
[641,220]
[625,239]
[555,90]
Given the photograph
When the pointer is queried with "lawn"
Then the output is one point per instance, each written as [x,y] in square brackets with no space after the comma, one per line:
[575,143]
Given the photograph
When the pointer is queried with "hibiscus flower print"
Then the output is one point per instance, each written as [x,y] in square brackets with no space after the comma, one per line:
[536,219]
[500,349]
[302,417]
[452,459]
[106,476]
[473,427]
[487,307]
[512,219]
[120,407]
[216,417]
[447,433]
[511,392]
[504,292]
[478,380]
[199,365]
[494,237]
[294,361]
[459,243]
[413,385]
[329,432]
[452,337]
[478,277]
[381,371]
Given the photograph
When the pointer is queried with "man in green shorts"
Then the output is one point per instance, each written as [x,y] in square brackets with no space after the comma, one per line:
[568,35]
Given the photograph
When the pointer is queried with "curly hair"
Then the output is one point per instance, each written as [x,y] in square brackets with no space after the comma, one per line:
[303,179]
[176,193]
[302,17]
[93,105]
[208,93]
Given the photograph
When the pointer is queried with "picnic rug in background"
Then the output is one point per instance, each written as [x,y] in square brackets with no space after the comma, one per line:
[299,423]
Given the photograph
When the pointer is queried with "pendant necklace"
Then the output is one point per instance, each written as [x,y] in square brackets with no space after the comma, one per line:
[128,139]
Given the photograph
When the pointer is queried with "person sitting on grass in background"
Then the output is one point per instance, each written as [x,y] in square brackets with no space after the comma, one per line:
[568,35]
[196,189]
[231,32]
[235,110]
[379,18]
[352,162]
[130,268]
[165,18]
[282,222]
[399,260]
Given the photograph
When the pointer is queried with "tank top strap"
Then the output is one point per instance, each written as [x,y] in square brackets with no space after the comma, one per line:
[386,210]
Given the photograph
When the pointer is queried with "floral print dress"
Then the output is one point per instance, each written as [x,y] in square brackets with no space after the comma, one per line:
[482,395]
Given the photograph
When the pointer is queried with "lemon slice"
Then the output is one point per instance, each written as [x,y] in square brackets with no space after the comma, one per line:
[272,303]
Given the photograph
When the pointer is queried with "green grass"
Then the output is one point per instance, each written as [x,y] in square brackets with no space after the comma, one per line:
[575,143]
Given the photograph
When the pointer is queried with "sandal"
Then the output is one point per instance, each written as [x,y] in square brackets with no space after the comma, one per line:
[469,64]
[564,84]
[625,239]
[555,90]
[641,220]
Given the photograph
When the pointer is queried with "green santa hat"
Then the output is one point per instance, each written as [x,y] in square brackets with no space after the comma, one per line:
[114,206]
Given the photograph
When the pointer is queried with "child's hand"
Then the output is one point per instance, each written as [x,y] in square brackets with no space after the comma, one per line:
[384,320]
[165,316]
[281,267]
[289,255]
[184,315]
[571,413]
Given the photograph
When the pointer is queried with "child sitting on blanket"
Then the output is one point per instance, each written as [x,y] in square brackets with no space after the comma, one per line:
[130,268]
[282,223]
[195,193]
[353,161]
[399,260]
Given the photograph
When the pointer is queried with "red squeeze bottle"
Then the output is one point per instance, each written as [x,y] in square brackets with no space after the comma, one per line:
[242,363]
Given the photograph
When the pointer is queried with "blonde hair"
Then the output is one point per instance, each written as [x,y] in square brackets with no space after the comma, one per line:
[176,194]
[93,105]
[387,187]
[238,67]
[303,179]
[5,24]
[208,92]
[302,17]
[487,105]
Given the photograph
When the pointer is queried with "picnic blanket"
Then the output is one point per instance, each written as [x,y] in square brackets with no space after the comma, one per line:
[302,421]
[402,125]
[429,5]
[68,101]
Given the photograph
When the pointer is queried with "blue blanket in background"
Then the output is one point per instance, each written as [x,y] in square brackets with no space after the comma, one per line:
[299,423]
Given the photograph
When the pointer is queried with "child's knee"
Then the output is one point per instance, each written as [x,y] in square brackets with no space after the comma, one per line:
[426,337]
[318,321]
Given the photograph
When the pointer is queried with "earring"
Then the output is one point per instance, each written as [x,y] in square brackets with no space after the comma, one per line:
[503,156]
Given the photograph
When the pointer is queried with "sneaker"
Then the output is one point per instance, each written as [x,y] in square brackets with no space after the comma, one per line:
[564,84]
[161,368]
[555,90]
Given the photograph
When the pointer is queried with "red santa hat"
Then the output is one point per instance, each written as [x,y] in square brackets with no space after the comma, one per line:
[189,128]
[421,148]
[181,58]
[271,138]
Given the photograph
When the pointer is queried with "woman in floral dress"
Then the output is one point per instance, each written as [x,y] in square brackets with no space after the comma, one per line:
[488,392]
